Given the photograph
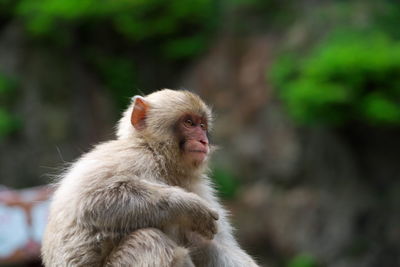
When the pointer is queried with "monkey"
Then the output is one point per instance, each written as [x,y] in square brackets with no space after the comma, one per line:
[144,199]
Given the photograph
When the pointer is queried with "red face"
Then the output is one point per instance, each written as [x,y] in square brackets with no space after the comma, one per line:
[193,141]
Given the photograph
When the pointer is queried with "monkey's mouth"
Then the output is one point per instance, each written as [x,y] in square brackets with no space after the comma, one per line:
[198,151]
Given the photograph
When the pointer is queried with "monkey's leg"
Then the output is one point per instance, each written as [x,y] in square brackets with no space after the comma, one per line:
[148,247]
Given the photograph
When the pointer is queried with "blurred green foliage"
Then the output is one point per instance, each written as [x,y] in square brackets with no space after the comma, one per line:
[180,26]
[347,78]
[119,76]
[252,15]
[302,260]
[120,40]
[7,86]
[8,122]
[226,183]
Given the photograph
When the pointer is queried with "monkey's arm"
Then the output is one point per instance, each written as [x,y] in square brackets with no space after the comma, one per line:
[126,204]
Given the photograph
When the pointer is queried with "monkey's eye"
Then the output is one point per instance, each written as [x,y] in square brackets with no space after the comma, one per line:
[189,122]
[203,126]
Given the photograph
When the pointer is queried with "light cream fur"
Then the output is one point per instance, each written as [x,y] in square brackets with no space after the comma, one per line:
[134,201]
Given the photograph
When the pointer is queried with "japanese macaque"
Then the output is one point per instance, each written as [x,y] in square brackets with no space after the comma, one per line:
[144,199]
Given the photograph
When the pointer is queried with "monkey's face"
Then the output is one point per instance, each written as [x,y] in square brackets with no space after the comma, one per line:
[154,116]
[193,140]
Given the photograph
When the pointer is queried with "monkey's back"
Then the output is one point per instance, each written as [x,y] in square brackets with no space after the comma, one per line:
[67,240]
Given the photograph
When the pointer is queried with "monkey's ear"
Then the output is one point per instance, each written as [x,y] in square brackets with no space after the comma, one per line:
[139,112]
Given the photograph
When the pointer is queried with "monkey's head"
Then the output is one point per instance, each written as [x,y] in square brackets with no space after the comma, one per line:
[174,121]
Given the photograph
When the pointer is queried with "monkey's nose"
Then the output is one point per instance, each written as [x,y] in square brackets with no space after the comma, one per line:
[204,142]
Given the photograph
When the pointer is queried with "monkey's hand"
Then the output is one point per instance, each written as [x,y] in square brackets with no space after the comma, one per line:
[197,216]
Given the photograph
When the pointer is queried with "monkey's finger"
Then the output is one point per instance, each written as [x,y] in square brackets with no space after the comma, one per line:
[209,235]
[215,229]
[205,231]
[215,215]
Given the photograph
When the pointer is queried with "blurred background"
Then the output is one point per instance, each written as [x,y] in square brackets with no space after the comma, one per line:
[306,95]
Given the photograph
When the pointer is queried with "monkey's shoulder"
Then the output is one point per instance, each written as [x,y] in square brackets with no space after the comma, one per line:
[112,158]
[116,148]
[117,152]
